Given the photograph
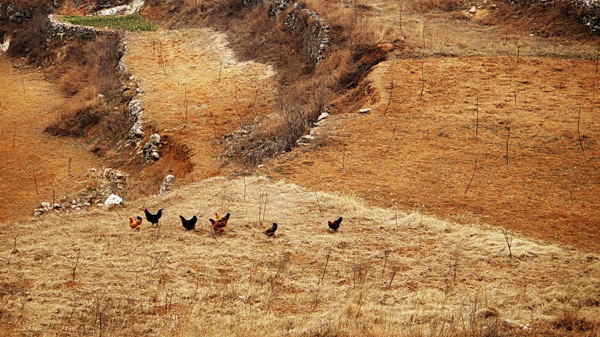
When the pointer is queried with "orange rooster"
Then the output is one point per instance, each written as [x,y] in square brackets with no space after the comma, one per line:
[135,224]
[219,224]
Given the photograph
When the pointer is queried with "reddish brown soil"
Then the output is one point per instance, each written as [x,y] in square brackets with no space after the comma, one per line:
[423,152]
[27,106]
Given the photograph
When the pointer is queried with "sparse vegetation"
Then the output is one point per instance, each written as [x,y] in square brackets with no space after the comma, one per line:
[125,22]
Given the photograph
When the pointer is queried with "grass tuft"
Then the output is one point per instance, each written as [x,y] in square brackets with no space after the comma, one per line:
[124,22]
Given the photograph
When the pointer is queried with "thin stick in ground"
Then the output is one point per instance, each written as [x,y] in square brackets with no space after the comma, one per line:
[579,130]
[386,254]
[508,239]
[14,138]
[472,177]
[507,139]
[318,203]
[422,80]
[476,116]
[393,136]
[35,182]
[389,98]
[75,265]
[325,267]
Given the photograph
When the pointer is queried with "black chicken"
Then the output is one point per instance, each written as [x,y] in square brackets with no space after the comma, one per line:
[153,218]
[335,224]
[189,224]
[271,230]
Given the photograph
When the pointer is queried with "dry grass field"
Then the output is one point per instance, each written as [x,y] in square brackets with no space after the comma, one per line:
[382,274]
[469,194]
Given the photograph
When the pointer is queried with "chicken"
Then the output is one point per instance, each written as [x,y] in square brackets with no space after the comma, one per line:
[135,224]
[335,224]
[271,230]
[153,218]
[189,224]
[219,224]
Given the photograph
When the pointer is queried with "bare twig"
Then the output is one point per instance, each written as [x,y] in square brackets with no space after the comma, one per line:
[472,176]
[75,265]
[343,157]
[386,253]
[508,237]
[14,138]
[35,182]
[393,136]
[476,116]
[507,138]
[325,267]
[578,130]
[389,98]
[318,204]
[14,250]
[422,78]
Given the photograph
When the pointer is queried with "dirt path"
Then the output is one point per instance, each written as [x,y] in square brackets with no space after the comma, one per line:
[27,105]
[195,90]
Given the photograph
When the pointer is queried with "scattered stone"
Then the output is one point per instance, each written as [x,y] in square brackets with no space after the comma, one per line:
[45,205]
[473,10]
[150,150]
[166,184]
[364,111]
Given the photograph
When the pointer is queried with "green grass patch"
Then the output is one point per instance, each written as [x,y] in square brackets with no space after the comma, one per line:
[125,22]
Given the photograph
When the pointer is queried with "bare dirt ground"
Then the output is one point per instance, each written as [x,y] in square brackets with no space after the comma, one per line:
[418,149]
[28,104]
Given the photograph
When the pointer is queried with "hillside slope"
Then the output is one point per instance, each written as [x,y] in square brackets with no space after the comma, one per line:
[383,273]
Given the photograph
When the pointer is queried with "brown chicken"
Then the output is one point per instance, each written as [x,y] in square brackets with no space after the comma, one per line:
[219,224]
[135,224]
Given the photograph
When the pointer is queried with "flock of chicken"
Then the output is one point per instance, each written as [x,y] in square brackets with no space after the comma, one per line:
[218,225]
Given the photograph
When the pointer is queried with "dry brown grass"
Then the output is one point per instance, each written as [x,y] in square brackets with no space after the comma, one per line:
[436,279]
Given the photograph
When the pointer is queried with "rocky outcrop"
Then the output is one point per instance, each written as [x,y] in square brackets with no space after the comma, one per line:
[107,182]
[588,11]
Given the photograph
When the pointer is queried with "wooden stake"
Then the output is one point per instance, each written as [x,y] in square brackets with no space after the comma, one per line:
[14,138]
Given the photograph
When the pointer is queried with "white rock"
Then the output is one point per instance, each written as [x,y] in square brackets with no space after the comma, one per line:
[473,10]
[113,199]
[155,138]
[45,204]
[322,116]
[364,111]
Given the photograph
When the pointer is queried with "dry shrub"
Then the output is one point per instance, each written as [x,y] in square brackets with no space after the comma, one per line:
[77,121]
[443,5]
[29,38]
